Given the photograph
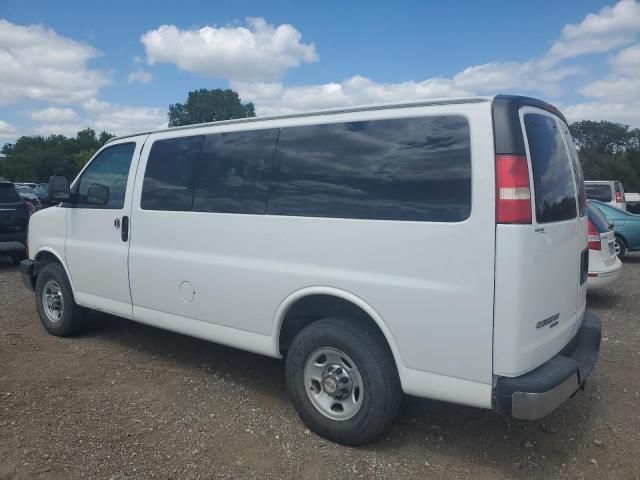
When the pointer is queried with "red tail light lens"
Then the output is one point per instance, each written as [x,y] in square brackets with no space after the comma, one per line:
[513,191]
[618,197]
[594,238]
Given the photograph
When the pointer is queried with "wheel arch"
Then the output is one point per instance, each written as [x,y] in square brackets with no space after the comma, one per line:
[47,255]
[295,298]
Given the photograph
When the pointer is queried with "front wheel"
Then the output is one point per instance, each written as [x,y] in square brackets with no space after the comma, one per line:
[620,247]
[343,381]
[57,309]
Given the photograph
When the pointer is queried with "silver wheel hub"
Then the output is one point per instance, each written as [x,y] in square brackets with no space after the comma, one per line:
[333,383]
[336,381]
[52,301]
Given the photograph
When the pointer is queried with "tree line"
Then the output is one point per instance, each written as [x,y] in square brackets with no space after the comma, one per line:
[607,150]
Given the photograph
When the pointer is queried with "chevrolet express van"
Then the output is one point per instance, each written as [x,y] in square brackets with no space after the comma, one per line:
[436,248]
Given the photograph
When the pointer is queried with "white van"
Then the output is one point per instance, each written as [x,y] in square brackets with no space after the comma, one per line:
[436,248]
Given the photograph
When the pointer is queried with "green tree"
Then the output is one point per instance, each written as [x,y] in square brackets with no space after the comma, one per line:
[609,151]
[209,106]
[602,137]
[36,158]
[105,137]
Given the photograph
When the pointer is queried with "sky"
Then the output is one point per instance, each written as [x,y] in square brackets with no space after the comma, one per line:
[118,65]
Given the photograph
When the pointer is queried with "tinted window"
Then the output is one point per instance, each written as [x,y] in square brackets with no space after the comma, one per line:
[168,178]
[395,169]
[597,218]
[577,168]
[7,193]
[232,172]
[552,174]
[109,169]
[599,192]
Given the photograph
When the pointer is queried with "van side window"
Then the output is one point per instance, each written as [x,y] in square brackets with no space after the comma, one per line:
[393,169]
[232,173]
[168,178]
[552,175]
[109,169]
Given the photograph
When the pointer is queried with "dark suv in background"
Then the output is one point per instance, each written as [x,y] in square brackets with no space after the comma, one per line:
[14,221]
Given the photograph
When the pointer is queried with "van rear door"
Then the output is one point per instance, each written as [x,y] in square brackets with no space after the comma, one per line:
[541,264]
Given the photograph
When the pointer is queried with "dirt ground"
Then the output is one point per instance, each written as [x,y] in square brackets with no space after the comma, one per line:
[128,401]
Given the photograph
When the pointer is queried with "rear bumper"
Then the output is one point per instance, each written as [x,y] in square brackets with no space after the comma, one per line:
[606,277]
[536,394]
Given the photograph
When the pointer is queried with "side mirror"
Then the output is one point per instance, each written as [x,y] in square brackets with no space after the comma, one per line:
[59,189]
[97,194]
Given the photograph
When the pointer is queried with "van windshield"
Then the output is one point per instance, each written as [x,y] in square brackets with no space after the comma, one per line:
[599,192]
[7,193]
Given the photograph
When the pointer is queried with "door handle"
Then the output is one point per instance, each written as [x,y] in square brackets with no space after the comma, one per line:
[124,233]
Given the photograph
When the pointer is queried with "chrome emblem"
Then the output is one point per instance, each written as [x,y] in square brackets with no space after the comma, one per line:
[552,321]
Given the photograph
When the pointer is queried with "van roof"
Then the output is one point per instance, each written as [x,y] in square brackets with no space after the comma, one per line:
[515,100]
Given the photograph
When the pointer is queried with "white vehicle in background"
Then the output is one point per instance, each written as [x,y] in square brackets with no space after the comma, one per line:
[605,267]
[633,202]
[607,191]
[436,248]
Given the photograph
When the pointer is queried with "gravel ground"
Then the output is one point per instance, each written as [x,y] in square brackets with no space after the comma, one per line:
[128,401]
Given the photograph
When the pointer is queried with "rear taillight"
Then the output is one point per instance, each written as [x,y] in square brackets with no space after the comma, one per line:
[594,238]
[513,192]
[618,197]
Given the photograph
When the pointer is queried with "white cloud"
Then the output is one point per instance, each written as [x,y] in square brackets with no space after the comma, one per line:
[610,28]
[101,115]
[627,61]
[614,111]
[139,76]
[38,64]
[255,52]
[490,78]
[123,119]
[615,97]
[8,132]
[53,114]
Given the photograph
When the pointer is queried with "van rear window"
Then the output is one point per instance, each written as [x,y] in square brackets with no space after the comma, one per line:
[599,192]
[554,186]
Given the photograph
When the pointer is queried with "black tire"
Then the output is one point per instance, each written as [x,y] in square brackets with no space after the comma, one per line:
[622,246]
[373,359]
[71,318]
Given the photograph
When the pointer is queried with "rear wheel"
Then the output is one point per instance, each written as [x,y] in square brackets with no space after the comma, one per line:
[620,247]
[343,381]
[57,309]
